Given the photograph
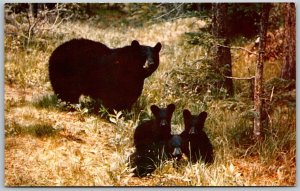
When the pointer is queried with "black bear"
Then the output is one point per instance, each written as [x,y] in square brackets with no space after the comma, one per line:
[196,144]
[114,76]
[150,139]
[154,130]
[146,160]
[174,147]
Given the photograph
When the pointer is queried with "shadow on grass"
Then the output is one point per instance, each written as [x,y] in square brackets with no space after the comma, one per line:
[37,130]
[92,107]
[48,101]
[40,130]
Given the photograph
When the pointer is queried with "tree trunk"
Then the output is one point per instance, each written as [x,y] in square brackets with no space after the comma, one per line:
[288,71]
[33,9]
[221,51]
[258,102]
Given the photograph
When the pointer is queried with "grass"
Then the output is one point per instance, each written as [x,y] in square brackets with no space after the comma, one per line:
[48,101]
[37,130]
[47,145]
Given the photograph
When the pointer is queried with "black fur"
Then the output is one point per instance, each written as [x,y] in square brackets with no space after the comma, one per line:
[155,130]
[150,140]
[174,147]
[196,144]
[115,76]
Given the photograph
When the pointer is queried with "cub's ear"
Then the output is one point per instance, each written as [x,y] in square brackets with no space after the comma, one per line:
[154,109]
[186,114]
[157,47]
[135,43]
[171,108]
[202,117]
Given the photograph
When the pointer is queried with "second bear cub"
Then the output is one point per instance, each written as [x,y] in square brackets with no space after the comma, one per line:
[196,144]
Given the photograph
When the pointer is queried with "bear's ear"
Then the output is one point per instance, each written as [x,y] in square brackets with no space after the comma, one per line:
[157,47]
[186,114]
[202,117]
[171,108]
[135,43]
[154,109]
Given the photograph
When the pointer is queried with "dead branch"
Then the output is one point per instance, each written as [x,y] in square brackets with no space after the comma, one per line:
[175,8]
[237,47]
[240,78]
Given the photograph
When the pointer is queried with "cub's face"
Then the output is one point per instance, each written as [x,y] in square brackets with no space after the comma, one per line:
[163,118]
[194,123]
[174,147]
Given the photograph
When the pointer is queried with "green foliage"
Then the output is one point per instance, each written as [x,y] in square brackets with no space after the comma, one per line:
[198,80]
[279,92]
[276,18]
[202,38]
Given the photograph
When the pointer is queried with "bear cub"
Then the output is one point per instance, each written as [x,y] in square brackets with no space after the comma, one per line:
[174,146]
[196,144]
[151,137]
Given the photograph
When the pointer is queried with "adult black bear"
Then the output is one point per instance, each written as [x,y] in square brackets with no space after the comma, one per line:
[150,139]
[115,76]
[196,144]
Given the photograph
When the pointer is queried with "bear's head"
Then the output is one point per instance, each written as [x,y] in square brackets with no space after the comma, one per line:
[193,124]
[174,147]
[163,118]
[145,58]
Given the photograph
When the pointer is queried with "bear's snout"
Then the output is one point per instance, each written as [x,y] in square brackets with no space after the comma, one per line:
[192,130]
[177,152]
[163,123]
[148,64]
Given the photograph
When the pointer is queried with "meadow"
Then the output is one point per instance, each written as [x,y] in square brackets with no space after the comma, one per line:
[46,144]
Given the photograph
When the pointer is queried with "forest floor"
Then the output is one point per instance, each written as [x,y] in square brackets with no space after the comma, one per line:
[87,151]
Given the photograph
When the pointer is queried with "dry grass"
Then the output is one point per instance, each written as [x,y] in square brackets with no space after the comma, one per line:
[48,146]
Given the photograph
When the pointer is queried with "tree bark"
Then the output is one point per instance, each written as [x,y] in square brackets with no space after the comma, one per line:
[258,102]
[288,71]
[221,51]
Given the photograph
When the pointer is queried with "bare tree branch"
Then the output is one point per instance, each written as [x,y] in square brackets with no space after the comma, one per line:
[237,47]
[240,78]
[175,8]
